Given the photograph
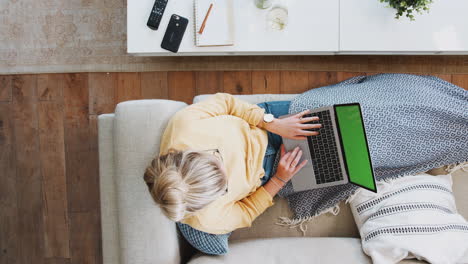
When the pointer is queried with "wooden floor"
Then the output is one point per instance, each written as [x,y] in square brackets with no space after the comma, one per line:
[49,182]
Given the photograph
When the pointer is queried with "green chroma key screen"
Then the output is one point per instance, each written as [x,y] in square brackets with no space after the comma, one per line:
[354,144]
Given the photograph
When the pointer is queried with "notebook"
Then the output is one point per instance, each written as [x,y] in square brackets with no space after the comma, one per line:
[219,28]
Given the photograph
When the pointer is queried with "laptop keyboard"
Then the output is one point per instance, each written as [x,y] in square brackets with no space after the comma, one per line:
[323,150]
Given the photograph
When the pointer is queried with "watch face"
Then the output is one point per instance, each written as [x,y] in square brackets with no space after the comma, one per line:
[268,118]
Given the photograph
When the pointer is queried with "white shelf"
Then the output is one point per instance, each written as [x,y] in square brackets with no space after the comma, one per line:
[315,27]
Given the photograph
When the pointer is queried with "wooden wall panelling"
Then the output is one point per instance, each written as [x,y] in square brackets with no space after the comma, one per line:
[374,73]
[154,85]
[57,261]
[460,80]
[375,65]
[5,88]
[237,82]
[342,76]
[9,242]
[320,79]
[414,64]
[82,190]
[102,87]
[76,111]
[128,87]
[266,82]
[209,82]
[86,239]
[50,87]
[294,82]
[82,172]
[54,184]
[447,77]
[181,86]
[28,171]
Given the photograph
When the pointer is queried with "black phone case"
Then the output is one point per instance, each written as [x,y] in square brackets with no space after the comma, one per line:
[174,33]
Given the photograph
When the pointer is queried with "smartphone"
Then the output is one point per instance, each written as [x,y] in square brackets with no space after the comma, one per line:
[174,33]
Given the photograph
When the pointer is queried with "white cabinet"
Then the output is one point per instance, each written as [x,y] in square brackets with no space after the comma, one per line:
[367,26]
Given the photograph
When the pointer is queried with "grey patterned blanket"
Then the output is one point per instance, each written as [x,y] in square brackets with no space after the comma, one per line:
[413,124]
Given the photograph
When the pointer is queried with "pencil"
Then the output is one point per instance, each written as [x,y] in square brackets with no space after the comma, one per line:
[204,20]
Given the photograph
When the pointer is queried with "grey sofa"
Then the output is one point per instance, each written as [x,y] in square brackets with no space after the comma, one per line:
[134,230]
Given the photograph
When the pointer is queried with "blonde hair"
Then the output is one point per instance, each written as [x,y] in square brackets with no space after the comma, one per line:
[183,182]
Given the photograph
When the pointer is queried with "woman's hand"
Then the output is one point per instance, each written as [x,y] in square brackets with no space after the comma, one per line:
[288,166]
[293,127]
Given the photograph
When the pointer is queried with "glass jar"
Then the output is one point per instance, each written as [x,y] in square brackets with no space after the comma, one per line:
[278,17]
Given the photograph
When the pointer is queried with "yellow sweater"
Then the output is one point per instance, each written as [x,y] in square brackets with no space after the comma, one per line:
[228,124]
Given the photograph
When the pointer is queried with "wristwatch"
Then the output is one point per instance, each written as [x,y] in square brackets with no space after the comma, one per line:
[268,118]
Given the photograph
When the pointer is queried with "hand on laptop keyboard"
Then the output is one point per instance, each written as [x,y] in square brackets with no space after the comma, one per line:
[298,126]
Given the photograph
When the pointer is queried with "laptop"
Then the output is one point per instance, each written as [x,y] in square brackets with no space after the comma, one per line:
[339,154]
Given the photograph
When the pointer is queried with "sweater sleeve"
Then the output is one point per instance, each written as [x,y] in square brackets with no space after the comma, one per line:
[223,104]
[246,210]
[243,212]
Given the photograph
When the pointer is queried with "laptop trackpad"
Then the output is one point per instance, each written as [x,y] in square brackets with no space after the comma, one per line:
[290,144]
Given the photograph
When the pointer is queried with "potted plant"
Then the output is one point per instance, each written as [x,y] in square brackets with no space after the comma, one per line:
[408,7]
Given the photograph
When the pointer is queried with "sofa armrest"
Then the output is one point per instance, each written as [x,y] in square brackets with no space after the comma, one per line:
[146,234]
[109,218]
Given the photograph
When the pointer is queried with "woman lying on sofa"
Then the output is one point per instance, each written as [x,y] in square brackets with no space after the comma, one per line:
[213,172]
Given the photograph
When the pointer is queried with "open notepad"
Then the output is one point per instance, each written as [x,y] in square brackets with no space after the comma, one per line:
[219,27]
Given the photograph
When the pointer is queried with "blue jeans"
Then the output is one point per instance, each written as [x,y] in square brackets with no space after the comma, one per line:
[277,109]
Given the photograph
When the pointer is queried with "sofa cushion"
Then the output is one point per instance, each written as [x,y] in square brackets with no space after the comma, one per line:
[205,242]
[460,190]
[146,234]
[290,250]
[109,211]
[326,225]
[413,216]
